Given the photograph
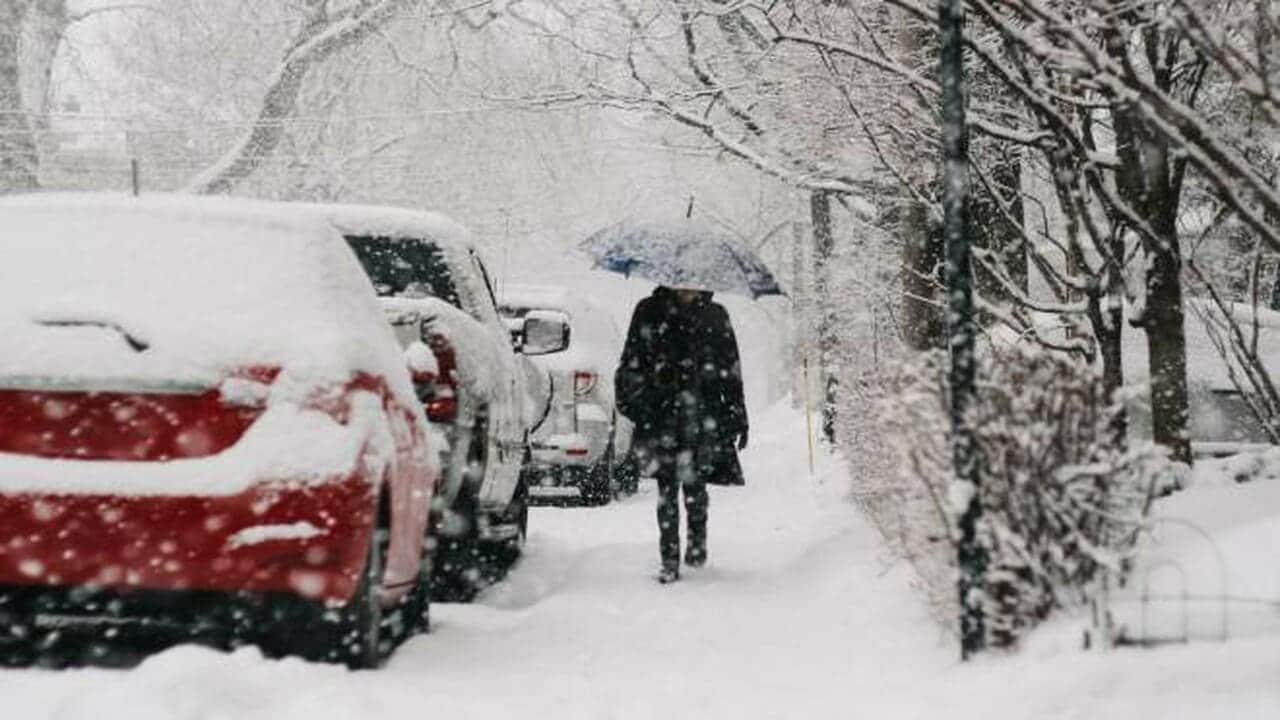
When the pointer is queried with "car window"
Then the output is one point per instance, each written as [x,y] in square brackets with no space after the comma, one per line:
[405,267]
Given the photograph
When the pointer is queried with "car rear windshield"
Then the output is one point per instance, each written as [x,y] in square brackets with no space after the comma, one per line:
[405,267]
[156,291]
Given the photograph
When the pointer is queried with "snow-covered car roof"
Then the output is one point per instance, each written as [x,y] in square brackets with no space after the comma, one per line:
[541,296]
[205,284]
[593,334]
[555,297]
[396,223]
[389,221]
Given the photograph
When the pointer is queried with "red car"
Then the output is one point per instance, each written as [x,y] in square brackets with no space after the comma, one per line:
[206,426]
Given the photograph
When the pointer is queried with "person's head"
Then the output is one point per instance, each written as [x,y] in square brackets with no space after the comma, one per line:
[687,296]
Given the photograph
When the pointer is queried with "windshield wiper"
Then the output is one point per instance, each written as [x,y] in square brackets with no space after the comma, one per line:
[135,343]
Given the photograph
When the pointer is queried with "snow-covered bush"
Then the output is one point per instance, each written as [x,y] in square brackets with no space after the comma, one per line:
[1061,499]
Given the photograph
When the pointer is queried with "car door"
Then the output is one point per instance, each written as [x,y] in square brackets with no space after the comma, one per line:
[507,411]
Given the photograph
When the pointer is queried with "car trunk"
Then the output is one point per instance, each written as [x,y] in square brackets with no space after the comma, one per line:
[121,404]
[147,422]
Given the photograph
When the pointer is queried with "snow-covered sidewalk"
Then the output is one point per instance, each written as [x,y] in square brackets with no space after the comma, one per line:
[799,615]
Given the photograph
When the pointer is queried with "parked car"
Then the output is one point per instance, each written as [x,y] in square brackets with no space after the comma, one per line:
[583,449]
[436,292]
[205,427]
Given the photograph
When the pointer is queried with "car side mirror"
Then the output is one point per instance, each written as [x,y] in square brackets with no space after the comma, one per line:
[544,332]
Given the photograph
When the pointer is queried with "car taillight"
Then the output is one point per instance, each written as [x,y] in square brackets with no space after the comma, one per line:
[439,391]
[247,388]
[139,420]
[584,382]
[443,408]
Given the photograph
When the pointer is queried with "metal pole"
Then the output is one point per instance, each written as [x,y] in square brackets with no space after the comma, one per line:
[960,326]
[808,410]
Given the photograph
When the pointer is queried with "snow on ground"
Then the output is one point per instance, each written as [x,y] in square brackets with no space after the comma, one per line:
[799,615]
[1215,658]
[796,616]
[1218,545]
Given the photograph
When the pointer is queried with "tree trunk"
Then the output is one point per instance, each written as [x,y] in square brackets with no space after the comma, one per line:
[800,313]
[1150,182]
[1145,180]
[46,25]
[922,316]
[828,337]
[1167,345]
[19,161]
[923,319]
[1275,290]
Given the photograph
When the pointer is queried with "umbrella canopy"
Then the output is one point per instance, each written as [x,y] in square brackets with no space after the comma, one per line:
[682,254]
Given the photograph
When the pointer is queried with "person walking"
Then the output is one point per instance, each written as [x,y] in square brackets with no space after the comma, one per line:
[680,381]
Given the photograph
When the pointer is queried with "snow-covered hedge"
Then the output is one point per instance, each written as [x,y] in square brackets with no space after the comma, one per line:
[1062,501]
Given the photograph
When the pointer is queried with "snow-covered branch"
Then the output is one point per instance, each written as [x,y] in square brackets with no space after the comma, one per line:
[320,35]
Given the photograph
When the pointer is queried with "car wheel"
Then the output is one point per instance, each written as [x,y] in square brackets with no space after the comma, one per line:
[351,634]
[17,620]
[522,515]
[626,475]
[597,488]
[517,514]
[360,642]
[414,611]
[455,576]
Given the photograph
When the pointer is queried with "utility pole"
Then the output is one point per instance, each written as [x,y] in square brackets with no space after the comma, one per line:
[960,321]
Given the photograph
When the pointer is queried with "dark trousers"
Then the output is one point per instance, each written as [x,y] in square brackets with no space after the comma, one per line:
[674,477]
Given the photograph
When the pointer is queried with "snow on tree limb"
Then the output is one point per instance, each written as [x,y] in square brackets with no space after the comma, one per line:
[319,37]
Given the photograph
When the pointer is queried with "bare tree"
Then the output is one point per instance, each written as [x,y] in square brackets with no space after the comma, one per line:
[33,34]
[19,159]
[323,31]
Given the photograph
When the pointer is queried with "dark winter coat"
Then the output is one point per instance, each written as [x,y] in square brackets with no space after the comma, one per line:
[680,382]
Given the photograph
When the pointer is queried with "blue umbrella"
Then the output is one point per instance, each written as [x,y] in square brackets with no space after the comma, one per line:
[681,254]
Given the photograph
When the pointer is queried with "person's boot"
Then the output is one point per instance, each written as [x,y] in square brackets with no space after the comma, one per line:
[669,573]
[696,555]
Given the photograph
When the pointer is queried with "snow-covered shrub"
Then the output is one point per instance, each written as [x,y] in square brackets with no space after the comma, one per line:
[1061,499]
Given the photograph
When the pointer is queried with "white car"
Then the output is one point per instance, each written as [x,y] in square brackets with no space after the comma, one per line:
[583,447]
[437,295]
